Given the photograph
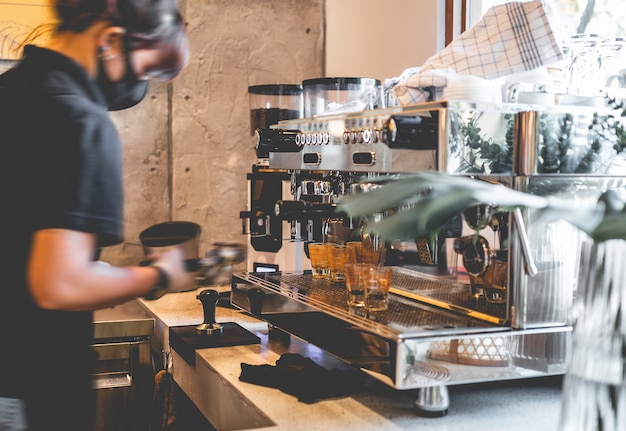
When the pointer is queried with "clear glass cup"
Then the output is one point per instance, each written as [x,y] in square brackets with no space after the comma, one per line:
[354,284]
[320,260]
[496,277]
[340,256]
[334,94]
[376,281]
[364,254]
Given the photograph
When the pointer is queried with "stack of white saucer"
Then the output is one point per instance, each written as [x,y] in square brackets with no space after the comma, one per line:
[472,89]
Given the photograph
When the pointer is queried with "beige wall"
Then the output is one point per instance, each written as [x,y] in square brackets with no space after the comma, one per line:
[381,38]
[188,145]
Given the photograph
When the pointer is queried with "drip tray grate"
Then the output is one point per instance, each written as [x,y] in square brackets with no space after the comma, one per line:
[407,311]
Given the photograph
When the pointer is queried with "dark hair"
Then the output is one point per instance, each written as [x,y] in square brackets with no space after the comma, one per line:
[149,24]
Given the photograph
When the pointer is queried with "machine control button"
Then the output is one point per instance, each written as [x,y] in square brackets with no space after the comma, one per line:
[325,138]
[367,136]
[346,137]
[353,136]
[312,158]
[364,158]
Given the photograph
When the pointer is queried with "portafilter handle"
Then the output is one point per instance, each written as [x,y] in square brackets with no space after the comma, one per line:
[209,298]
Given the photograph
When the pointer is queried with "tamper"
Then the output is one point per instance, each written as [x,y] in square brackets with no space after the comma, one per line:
[185,340]
[209,298]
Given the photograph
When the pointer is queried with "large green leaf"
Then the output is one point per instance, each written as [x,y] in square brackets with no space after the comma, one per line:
[613,226]
[420,204]
[399,226]
[437,210]
[584,218]
[388,196]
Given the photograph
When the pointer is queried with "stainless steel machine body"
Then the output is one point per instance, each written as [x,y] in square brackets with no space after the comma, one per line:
[124,376]
[436,330]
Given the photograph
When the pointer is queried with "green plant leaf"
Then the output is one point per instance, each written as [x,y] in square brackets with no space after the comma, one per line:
[585,219]
[613,226]
[418,205]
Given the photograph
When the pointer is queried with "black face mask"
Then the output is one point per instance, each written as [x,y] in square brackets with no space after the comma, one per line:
[123,94]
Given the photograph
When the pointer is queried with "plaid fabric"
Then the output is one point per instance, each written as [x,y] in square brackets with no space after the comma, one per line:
[512,37]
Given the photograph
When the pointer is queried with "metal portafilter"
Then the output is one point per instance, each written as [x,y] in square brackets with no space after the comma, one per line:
[219,260]
[216,267]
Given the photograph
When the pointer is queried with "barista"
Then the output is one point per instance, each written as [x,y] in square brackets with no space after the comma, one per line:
[60,144]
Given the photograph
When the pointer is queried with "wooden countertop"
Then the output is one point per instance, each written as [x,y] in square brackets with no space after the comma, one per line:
[228,403]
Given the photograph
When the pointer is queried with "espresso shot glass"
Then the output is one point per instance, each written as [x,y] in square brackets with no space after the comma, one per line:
[320,260]
[376,282]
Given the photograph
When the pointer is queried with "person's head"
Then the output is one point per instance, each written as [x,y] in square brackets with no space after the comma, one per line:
[143,25]
[124,43]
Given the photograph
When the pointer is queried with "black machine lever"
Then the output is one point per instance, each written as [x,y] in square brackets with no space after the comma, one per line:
[209,299]
[276,140]
[414,132]
[256,296]
[302,210]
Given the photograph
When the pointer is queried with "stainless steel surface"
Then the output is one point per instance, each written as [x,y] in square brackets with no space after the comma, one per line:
[209,328]
[164,236]
[356,142]
[433,401]
[433,319]
[161,237]
[412,344]
[129,319]
[124,376]
[401,320]
[529,262]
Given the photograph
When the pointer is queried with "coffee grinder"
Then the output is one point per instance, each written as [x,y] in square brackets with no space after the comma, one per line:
[269,104]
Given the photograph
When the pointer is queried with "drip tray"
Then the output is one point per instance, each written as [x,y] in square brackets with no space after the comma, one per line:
[185,339]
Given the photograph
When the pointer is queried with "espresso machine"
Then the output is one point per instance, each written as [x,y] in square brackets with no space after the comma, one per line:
[491,297]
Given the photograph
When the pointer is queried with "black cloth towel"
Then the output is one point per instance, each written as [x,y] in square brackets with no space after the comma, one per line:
[301,377]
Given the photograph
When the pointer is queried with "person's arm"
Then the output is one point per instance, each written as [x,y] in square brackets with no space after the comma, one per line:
[62,275]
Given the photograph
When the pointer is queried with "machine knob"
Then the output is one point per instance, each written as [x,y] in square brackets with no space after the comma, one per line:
[209,298]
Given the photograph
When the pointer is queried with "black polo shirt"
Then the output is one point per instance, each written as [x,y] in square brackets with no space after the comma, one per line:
[60,167]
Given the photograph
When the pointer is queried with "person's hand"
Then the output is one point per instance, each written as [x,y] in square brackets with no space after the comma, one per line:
[172,262]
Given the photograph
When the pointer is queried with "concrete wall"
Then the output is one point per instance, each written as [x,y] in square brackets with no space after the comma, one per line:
[187,145]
